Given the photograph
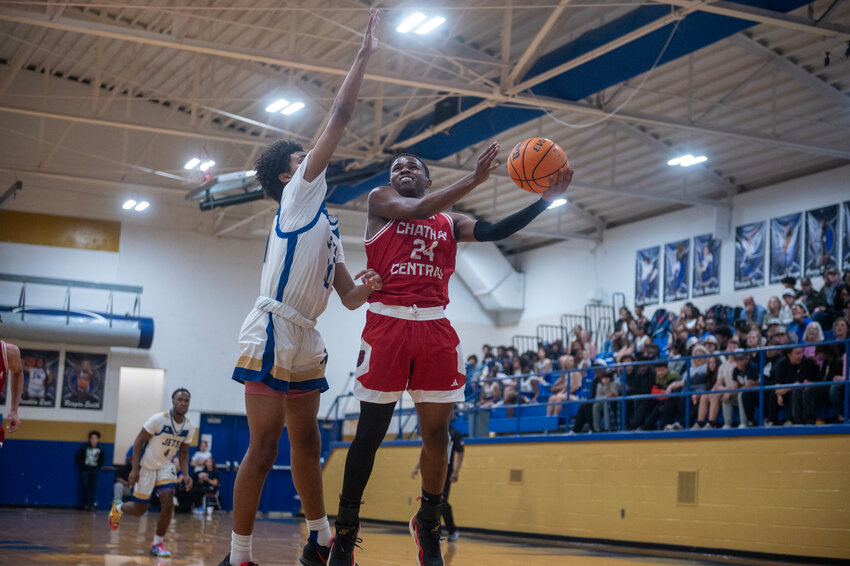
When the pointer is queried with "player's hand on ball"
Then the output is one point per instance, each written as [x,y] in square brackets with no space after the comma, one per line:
[486,163]
[558,184]
[370,41]
[12,422]
[371,279]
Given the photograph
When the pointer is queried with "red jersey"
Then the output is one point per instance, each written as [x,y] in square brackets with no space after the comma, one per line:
[4,364]
[415,259]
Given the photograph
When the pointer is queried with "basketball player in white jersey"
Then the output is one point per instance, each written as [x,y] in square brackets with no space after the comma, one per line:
[10,361]
[282,357]
[163,436]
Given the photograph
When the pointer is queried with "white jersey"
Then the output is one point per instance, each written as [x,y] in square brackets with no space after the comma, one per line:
[303,247]
[167,438]
[37,382]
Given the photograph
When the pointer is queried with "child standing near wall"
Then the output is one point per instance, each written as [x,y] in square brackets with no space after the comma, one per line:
[89,459]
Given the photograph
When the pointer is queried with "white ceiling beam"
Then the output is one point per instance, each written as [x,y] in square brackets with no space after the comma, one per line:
[246,220]
[792,69]
[529,55]
[75,178]
[601,50]
[507,24]
[771,17]
[663,149]
[21,57]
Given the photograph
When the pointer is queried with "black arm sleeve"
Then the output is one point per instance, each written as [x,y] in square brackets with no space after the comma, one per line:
[488,232]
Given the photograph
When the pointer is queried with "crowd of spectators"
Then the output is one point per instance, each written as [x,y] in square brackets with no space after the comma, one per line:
[696,393]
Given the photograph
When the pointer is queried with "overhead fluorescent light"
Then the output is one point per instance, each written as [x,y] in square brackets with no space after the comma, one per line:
[430,25]
[206,165]
[292,108]
[192,163]
[277,105]
[128,204]
[411,22]
[557,202]
[142,205]
[687,160]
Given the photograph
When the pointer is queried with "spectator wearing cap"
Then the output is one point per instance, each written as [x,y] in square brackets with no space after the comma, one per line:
[710,343]
[788,300]
[794,369]
[799,322]
[813,299]
[753,313]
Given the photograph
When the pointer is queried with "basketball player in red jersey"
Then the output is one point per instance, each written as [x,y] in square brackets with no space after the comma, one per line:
[407,342]
[10,361]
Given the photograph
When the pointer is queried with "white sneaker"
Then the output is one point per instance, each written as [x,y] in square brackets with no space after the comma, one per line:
[768,423]
[727,425]
[697,426]
[742,425]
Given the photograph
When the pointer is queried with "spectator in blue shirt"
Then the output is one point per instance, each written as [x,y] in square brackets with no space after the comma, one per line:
[753,313]
[799,322]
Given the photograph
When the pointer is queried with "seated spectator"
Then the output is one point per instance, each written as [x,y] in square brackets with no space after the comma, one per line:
[624,322]
[842,299]
[753,313]
[708,326]
[831,282]
[491,392]
[542,365]
[206,482]
[703,401]
[524,390]
[202,455]
[745,374]
[588,344]
[607,388]
[839,330]
[674,408]
[725,382]
[794,369]
[753,340]
[565,387]
[774,310]
[639,316]
[620,345]
[688,316]
[639,332]
[723,335]
[832,366]
[710,343]
[811,337]
[813,299]
[121,488]
[648,411]
[788,300]
[555,351]
[677,350]
[790,283]
[799,322]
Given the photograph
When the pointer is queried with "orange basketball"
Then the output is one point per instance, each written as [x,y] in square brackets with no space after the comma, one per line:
[533,161]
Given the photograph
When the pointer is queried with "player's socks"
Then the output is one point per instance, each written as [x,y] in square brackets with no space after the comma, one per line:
[158,539]
[320,531]
[430,507]
[240,548]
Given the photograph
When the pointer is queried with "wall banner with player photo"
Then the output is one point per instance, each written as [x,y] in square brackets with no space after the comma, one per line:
[706,266]
[749,255]
[41,372]
[677,257]
[785,239]
[821,239]
[647,276]
[845,222]
[83,381]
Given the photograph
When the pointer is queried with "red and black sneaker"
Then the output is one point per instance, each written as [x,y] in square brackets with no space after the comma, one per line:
[427,537]
[343,544]
[314,554]
[226,562]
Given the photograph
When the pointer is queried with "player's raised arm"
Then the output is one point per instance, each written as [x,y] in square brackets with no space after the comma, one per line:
[392,202]
[343,106]
[469,230]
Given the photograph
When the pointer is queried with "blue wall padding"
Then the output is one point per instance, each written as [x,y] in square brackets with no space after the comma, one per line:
[43,473]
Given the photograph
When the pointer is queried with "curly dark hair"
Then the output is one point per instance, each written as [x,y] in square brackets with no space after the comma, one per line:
[414,156]
[272,162]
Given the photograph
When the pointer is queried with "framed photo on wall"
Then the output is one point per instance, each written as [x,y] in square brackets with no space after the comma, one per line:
[706,280]
[749,255]
[785,239]
[647,276]
[84,380]
[821,239]
[845,222]
[677,257]
[41,372]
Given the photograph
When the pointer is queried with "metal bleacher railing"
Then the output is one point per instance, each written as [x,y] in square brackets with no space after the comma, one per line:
[583,395]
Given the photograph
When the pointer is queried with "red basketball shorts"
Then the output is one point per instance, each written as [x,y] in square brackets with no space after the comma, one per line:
[413,349]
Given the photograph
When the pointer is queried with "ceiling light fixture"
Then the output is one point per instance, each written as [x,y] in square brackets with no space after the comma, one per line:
[430,25]
[206,165]
[142,206]
[557,202]
[411,21]
[292,108]
[277,105]
[128,204]
[192,163]
[687,160]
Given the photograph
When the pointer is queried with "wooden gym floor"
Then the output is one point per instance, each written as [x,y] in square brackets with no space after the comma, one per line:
[67,537]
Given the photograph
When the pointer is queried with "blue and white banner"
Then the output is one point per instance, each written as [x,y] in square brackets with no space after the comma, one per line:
[647,276]
[821,239]
[785,248]
[706,266]
[677,257]
[749,255]
[845,220]
[84,380]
